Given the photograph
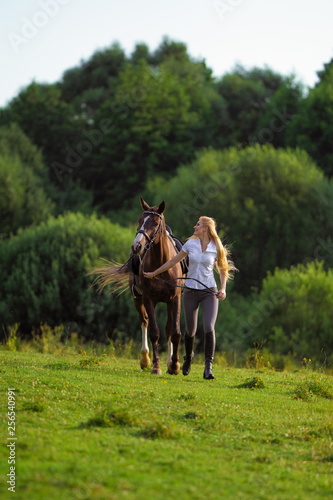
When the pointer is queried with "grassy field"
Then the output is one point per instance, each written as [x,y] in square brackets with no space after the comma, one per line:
[97,427]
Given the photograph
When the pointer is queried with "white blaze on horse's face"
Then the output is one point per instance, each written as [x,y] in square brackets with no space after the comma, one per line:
[137,244]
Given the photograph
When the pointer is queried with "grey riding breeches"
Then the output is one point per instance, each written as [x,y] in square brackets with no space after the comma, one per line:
[209,304]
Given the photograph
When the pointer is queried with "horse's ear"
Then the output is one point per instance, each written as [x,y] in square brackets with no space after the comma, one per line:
[144,205]
[161,208]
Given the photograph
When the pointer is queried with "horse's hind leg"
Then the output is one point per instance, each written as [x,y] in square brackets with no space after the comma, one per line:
[154,335]
[145,360]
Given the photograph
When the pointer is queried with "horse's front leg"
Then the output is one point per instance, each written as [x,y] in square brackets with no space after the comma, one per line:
[170,351]
[154,335]
[173,335]
[145,360]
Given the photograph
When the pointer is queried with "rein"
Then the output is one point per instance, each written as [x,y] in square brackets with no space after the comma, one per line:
[182,286]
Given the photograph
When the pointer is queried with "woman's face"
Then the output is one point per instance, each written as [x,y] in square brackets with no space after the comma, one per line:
[199,229]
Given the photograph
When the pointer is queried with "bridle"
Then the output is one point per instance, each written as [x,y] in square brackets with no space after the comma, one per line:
[150,239]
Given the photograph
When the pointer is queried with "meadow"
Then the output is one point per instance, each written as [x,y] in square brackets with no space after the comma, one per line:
[97,427]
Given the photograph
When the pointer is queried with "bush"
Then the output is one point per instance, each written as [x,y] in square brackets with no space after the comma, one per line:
[43,273]
[297,311]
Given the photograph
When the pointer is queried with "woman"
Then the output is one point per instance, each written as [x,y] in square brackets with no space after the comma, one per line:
[205,250]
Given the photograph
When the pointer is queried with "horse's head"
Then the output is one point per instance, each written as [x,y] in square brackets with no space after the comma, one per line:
[150,227]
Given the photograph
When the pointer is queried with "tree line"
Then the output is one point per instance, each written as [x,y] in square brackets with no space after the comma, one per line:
[251,149]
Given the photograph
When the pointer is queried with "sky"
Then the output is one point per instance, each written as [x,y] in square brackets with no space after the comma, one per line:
[40,39]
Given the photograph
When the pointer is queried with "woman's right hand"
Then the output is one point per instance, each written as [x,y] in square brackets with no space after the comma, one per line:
[149,275]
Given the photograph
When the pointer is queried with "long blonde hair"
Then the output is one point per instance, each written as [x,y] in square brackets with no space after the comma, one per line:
[223,263]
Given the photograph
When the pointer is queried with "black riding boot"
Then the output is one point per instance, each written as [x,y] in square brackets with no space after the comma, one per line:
[209,354]
[188,354]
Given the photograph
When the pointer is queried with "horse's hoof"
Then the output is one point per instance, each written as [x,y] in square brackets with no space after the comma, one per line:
[144,364]
[156,371]
[173,369]
[145,360]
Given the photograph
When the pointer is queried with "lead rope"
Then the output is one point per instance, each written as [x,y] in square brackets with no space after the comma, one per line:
[183,286]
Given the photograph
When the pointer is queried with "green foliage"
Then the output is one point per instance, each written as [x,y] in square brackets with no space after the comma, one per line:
[49,266]
[13,341]
[246,94]
[297,311]
[79,85]
[14,142]
[272,206]
[23,189]
[23,201]
[157,115]
[44,117]
[312,127]
[313,388]
[252,383]
[282,107]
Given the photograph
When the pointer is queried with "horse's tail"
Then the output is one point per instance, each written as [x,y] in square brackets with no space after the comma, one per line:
[113,274]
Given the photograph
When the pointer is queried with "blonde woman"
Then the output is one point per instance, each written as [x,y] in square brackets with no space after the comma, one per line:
[205,251]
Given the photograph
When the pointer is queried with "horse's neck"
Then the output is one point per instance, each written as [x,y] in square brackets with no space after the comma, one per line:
[162,251]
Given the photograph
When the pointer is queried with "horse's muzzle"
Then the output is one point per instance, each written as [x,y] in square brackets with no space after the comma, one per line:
[136,248]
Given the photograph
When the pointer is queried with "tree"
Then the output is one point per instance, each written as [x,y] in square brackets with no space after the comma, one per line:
[246,93]
[312,127]
[207,106]
[45,118]
[279,111]
[100,72]
[148,129]
[24,194]
[141,51]
[13,141]
[50,125]
[23,201]
[170,49]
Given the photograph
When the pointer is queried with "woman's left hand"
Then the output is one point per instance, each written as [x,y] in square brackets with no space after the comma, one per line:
[221,295]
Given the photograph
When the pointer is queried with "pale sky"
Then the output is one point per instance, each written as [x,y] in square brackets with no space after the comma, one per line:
[40,39]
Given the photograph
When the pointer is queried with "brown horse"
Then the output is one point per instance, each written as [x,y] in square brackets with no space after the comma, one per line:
[152,247]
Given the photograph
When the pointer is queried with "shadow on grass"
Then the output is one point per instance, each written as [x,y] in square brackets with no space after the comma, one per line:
[252,383]
[155,429]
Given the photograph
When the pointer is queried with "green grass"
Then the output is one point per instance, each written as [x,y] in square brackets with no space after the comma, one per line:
[98,427]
